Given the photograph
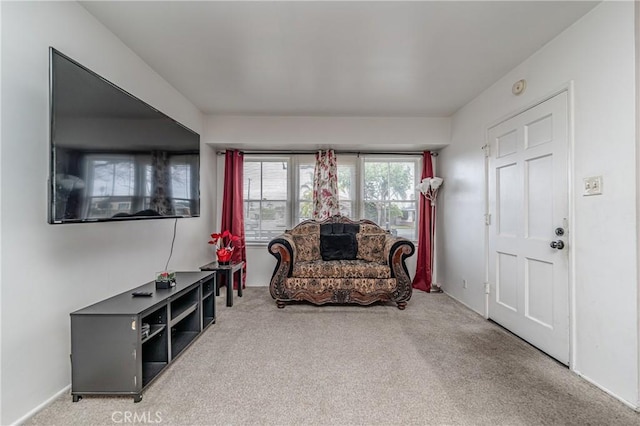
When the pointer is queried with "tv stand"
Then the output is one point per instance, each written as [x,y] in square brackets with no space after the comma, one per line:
[111,354]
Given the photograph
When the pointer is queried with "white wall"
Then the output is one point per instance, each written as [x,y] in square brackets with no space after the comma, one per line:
[0,223]
[597,54]
[309,134]
[637,33]
[49,271]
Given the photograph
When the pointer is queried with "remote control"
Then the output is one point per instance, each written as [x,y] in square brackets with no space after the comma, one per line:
[142,294]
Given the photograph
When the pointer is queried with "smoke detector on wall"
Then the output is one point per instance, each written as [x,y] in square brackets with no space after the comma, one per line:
[518,87]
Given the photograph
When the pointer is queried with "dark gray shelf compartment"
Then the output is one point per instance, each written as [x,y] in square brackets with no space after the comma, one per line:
[150,370]
[208,311]
[180,341]
[185,312]
[155,329]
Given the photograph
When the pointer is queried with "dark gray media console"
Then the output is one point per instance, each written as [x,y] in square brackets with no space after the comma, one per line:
[111,354]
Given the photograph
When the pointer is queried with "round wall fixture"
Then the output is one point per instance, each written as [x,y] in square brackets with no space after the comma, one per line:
[518,87]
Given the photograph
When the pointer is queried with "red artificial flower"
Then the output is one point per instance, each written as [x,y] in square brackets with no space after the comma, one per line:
[224,239]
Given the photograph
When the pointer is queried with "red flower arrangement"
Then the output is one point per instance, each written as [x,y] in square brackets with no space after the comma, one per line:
[224,245]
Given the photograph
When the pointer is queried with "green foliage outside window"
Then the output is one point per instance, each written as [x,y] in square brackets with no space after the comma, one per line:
[383,182]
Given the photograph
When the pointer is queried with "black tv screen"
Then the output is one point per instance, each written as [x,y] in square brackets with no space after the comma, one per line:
[113,156]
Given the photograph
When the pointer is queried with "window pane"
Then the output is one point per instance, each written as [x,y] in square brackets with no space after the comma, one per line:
[401,181]
[265,192]
[389,180]
[377,211]
[346,209]
[252,220]
[376,181]
[274,216]
[305,211]
[305,178]
[148,179]
[389,195]
[305,192]
[346,189]
[113,177]
[274,180]
[403,219]
[251,184]
[181,181]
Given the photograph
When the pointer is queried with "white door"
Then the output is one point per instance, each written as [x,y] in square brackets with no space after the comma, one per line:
[528,208]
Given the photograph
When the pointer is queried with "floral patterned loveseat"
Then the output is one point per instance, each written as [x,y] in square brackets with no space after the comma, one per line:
[340,261]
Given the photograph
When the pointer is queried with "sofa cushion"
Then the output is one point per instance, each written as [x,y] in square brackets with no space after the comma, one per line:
[340,269]
[339,228]
[307,247]
[371,247]
[338,246]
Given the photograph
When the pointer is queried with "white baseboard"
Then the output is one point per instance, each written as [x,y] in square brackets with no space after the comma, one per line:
[607,391]
[46,403]
[461,302]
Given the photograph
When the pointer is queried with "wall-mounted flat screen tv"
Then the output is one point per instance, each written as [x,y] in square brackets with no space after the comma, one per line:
[113,156]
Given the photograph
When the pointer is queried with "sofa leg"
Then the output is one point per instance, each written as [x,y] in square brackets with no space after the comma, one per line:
[280,304]
[402,305]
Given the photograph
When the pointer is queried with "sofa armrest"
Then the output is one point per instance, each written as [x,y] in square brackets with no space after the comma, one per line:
[283,248]
[396,250]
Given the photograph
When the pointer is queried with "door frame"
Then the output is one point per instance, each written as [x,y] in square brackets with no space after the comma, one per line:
[571,186]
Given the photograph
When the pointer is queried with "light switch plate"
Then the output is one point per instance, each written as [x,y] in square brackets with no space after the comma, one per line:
[592,186]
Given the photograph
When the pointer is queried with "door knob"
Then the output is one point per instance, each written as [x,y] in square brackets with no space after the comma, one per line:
[557,244]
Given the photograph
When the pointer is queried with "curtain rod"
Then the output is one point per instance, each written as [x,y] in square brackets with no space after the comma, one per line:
[272,152]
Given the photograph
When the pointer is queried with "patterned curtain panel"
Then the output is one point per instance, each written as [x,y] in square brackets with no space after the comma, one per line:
[160,193]
[325,185]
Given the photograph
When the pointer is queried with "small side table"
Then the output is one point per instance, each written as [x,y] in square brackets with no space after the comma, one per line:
[228,272]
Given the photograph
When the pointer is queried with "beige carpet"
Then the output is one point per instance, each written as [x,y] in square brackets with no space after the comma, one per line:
[435,363]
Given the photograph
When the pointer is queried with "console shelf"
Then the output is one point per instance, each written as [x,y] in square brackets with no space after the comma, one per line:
[109,356]
[181,341]
[155,329]
[184,312]
[150,370]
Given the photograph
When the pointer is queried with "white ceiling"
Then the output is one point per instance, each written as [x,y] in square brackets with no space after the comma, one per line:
[335,58]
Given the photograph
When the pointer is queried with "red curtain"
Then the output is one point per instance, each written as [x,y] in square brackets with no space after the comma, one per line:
[422,279]
[232,207]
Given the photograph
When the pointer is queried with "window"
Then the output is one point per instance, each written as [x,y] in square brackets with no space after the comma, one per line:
[305,168]
[266,198]
[390,196]
[123,184]
[112,185]
[183,185]
[278,192]
[347,198]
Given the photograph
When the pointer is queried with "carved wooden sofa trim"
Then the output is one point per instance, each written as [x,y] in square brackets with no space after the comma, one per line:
[307,269]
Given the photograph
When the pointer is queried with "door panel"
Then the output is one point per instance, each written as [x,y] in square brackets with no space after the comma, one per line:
[506,289]
[539,292]
[508,202]
[507,144]
[539,131]
[528,197]
[538,199]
